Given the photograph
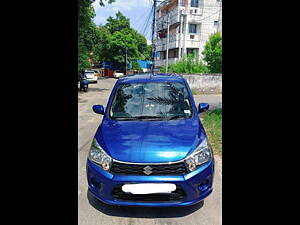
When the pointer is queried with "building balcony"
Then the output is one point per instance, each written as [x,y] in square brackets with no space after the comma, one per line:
[162,62]
[174,17]
[191,41]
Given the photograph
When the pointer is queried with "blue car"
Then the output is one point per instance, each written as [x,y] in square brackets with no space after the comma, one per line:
[151,148]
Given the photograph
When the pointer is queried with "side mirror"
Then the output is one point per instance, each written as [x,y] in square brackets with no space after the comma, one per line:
[98,109]
[203,107]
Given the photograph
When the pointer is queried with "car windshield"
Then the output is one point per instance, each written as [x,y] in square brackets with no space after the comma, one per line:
[89,72]
[151,101]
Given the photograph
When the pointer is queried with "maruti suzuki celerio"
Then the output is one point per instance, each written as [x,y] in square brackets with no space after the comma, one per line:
[151,148]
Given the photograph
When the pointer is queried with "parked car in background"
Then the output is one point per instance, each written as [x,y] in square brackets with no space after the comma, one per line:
[118,74]
[97,73]
[151,148]
[91,76]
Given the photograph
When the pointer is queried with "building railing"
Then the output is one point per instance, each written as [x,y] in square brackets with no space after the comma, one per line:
[162,62]
[191,41]
[161,22]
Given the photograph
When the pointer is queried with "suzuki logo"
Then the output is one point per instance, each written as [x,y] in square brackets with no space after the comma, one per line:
[147,170]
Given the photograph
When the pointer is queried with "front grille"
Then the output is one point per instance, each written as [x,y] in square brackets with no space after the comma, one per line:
[177,195]
[158,169]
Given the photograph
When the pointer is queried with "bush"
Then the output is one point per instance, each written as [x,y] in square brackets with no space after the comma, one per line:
[213,53]
[189,64]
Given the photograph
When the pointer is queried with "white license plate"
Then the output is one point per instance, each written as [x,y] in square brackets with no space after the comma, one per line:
[148,188]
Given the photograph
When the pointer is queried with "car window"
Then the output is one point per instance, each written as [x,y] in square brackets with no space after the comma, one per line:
[151,100]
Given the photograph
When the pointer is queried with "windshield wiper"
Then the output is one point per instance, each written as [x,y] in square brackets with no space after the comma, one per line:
[176,117]
[148,117]
[139,118]
[123,118]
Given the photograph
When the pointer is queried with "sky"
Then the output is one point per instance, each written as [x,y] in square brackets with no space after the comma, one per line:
[136,10]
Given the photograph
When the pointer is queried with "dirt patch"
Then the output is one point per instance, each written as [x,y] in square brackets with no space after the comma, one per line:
[218,163]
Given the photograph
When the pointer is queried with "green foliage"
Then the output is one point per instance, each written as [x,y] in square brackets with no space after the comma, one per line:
[212,121]
[88,33]
[117,24]
[109,42]
[117,37]
[83,57]
[213,53]
[189,64]
[101,2]
[136,66]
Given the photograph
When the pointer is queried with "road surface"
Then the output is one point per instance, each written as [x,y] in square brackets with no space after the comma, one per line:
[94,213]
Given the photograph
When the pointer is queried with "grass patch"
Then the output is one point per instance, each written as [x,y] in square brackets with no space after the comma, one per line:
[212,122]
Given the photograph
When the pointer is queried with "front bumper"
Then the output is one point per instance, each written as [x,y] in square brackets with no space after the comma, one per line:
[102,183]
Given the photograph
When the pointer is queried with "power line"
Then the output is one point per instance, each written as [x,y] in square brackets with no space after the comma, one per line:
[147,23]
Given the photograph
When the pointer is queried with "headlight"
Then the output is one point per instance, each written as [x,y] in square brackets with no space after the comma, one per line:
[201,155]
[99,156]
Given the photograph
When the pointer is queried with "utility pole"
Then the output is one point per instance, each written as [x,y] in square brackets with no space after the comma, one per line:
[167,46]
[180,34]
[153,33]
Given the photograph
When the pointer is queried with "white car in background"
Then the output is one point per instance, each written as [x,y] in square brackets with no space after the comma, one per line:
[118,74]
[91,76]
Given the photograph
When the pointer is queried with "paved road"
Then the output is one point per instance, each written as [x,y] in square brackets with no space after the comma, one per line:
[97,213]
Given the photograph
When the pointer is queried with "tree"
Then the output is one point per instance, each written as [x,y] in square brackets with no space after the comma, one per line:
[136,66]
[109,42]
[88,33]
[117,24]
[213,53]
[117,37]
[101,2]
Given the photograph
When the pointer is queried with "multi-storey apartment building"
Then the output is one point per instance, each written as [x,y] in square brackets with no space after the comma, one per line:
[190,23]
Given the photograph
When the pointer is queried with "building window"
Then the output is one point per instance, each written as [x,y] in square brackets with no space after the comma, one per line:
[193,28]
[194,3]
[182,2]
[192,51]
[216,22]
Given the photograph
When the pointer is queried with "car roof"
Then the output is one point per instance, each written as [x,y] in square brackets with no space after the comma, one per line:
[149,77]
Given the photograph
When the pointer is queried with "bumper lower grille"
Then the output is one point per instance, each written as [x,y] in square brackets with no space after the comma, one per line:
[161,169]
[177,195]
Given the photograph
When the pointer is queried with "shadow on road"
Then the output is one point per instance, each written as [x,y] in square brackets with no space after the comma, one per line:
[143,212]
[96,89]
[103,78]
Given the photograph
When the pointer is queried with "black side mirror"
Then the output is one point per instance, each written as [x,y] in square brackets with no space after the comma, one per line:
[203,107]
[98,109]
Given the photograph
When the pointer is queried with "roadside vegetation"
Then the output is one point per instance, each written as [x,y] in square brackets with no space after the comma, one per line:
[211,63]
[189,64]
[212,122]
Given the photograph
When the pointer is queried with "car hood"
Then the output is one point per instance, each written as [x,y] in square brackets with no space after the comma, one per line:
[149,141]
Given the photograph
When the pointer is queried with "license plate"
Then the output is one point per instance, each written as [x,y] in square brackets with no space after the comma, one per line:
[148,188]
